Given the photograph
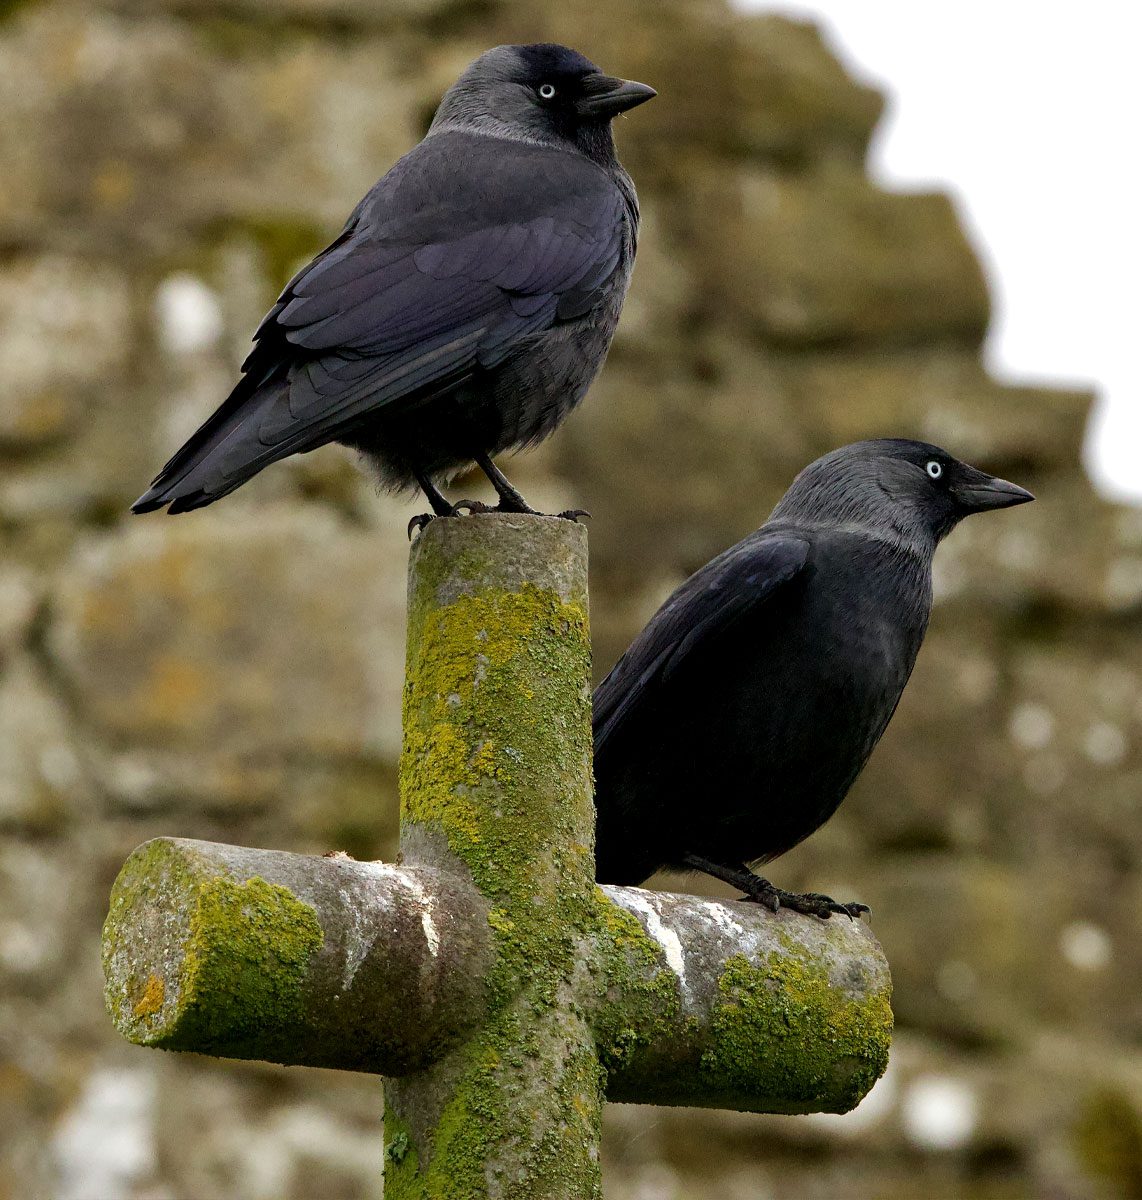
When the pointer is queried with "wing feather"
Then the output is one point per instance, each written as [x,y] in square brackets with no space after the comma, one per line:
[735,584]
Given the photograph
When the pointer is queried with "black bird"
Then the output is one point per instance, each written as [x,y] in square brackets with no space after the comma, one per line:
[465,307]
[739,718]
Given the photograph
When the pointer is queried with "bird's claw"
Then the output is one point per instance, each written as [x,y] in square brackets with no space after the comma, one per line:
[476,508]
[812,904]
[419,522]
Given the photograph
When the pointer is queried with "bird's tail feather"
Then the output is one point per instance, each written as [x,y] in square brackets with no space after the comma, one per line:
[223,454]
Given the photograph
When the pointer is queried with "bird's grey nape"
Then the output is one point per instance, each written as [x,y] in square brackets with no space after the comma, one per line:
[488,99]
[847,493]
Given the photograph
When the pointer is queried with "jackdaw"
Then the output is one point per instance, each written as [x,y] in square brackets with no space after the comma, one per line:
[740,716]
[465,307]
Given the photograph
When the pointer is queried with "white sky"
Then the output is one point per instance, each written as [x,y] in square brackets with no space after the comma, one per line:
[1032,115]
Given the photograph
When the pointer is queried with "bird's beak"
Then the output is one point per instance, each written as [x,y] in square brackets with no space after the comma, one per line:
[606,96]
[979,492]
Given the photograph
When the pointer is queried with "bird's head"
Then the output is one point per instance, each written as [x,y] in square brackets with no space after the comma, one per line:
[542,93]
[908,490]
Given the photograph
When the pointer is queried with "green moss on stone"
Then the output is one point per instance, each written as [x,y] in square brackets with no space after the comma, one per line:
[156,878]
[497,713]
[235,969]
[496,766]
[635,973]
[246,964]
[402,1162]
[497,759]
[785,1035]
[486,1139]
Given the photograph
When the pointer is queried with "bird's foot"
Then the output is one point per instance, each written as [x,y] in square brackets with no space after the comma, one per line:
[422,519]
[475,508]
[419,522]
[812,904]
[478,507]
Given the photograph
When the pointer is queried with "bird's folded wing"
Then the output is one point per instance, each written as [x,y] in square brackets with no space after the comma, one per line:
[439,272]
[738,583]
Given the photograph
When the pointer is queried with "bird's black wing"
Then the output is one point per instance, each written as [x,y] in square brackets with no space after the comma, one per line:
[452,260]
[468,245]
[737,583]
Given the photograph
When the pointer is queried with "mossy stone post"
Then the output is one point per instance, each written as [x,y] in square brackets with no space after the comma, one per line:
[496,783]
[501,994]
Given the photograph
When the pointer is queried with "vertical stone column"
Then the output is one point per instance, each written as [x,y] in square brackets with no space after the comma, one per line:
[496,783]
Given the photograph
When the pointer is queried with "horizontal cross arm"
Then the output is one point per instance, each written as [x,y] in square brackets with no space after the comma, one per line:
[731,1006]
[293,958]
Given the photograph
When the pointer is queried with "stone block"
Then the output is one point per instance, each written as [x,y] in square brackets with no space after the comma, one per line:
[1069,549]
[42,773]
[944,396]
[831,259]
[65,328]
[127,134]
[649,449]
[279,635]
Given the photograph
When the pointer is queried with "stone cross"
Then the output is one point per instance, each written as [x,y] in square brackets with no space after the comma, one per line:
[502,995]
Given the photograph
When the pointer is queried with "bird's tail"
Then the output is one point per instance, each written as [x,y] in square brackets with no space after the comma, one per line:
[225,451]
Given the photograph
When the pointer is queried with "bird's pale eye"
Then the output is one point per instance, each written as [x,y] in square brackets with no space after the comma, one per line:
[934,469]
[547,91]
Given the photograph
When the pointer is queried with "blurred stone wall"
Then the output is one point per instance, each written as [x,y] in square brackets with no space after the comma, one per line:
[235,674]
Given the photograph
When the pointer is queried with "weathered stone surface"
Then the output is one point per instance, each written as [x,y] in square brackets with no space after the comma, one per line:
[34,898]
[1073,728]
[929,785]
[129,128]
[661,472]
[187,916]
[792,99]
[331,13]
[64,327]
[943,396]
[20,594]
[966,968]
[932,1118]
[1069,548]
[280,636]
[835,260]
[41,775]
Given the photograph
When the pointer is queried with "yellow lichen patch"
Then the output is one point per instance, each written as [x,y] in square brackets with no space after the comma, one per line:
[149,1003]
[176,686]
[497,713]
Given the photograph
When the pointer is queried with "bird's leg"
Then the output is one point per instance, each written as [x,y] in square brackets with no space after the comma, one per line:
[440,506]
[761,891]
[510,499]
